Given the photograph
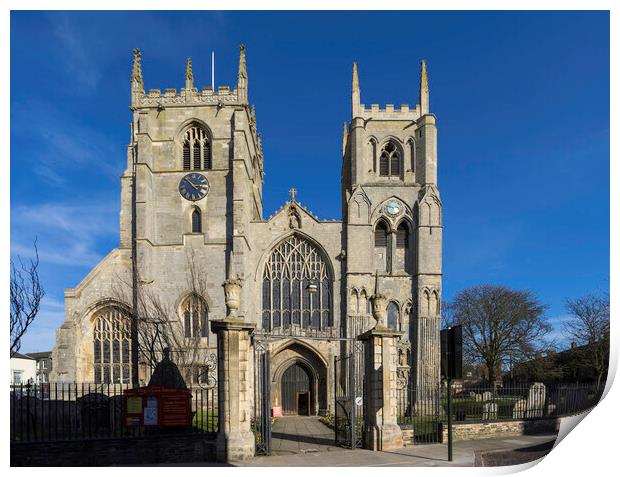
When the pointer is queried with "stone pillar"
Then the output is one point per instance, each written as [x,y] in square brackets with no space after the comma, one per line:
[381,429]
[235,440]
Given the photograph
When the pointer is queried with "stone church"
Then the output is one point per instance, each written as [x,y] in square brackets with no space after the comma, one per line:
[306,282]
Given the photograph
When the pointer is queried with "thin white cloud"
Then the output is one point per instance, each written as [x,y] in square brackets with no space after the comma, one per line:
[67,234]
[79,62]
[63,142]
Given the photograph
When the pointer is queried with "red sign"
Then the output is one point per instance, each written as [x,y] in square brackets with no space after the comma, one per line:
[156,406]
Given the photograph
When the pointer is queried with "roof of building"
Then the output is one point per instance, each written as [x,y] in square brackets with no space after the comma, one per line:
[20,356]
[40,354]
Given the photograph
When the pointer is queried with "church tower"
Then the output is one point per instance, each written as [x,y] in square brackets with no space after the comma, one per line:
[392,224]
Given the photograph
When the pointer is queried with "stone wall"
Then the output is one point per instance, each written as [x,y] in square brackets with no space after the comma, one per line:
[129,451]
[485,430]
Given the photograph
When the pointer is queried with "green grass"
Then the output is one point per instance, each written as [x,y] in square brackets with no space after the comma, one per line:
[204,421]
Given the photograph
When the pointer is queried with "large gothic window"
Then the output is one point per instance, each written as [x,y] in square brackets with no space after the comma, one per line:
[195,317]
[111,346]
[296,287]
[390,161]
[196,149]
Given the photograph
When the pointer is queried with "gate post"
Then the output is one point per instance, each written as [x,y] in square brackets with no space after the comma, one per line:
[235,441]
[381,429]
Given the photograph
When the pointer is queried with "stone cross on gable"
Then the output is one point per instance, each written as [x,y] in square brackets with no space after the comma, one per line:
[293,192]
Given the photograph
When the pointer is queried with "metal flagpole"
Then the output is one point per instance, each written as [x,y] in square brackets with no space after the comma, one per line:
[213,70]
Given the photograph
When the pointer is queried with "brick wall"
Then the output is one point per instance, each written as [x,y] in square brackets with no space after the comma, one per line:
[139,450]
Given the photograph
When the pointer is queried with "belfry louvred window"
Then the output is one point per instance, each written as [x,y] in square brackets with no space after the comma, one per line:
[390,161]
[196,149]
[402,236]
[381,235]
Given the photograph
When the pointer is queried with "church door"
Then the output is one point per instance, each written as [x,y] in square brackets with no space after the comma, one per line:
[297,393]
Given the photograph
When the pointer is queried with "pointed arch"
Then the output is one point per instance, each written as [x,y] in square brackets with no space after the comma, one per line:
[391,158]
[196,146]
[297,286]
[194,314]
[393,316]
[411,149]
[196,220]
[111,344]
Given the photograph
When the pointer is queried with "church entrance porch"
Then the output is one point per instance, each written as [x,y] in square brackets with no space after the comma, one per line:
[299,383]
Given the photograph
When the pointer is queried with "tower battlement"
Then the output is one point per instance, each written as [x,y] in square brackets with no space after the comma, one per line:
[190,95]
[390,112]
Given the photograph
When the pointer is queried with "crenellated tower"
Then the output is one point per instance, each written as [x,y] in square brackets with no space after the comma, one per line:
[392,215]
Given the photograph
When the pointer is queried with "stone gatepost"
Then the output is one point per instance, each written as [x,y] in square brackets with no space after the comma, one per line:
[381,429]
[235,440]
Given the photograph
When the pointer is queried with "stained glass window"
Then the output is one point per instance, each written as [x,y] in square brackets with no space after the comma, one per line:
[296,287]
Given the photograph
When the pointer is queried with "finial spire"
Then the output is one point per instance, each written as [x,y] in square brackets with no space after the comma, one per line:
[345,136]
[137,82]
[136,72]
[424,91]
[355,92]
[242,76]
[189,74]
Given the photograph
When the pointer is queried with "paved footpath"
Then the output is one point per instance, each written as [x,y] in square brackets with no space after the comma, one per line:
[321,454]
[306,442]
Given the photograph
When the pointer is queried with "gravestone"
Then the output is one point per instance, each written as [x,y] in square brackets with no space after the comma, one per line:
[518,411]
[489,411]
[536,400]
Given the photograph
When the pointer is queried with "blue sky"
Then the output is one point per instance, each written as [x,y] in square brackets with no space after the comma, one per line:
[522,100]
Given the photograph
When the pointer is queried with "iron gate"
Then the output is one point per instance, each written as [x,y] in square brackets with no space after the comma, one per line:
[348,393]
[262,399]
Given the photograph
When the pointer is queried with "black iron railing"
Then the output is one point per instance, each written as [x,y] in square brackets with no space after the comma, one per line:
[72,411]
[423,409]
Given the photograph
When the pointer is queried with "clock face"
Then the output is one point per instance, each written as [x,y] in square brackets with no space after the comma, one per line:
[194,186]
[393,207]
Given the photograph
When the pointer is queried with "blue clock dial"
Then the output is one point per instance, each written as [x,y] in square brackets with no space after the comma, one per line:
[393,207]
[194,186]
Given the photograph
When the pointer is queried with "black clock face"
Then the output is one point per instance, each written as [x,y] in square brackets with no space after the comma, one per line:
[194,186]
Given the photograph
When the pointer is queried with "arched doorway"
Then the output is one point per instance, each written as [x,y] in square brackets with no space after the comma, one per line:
[297,391]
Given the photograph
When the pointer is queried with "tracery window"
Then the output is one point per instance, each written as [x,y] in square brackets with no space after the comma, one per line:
[195,317]
[196,149]
[112,346]
[390,161]
[296,287]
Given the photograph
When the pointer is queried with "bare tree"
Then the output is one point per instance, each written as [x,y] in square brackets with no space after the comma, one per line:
[161,327]
[589,327]
[26,296]
[499,325]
